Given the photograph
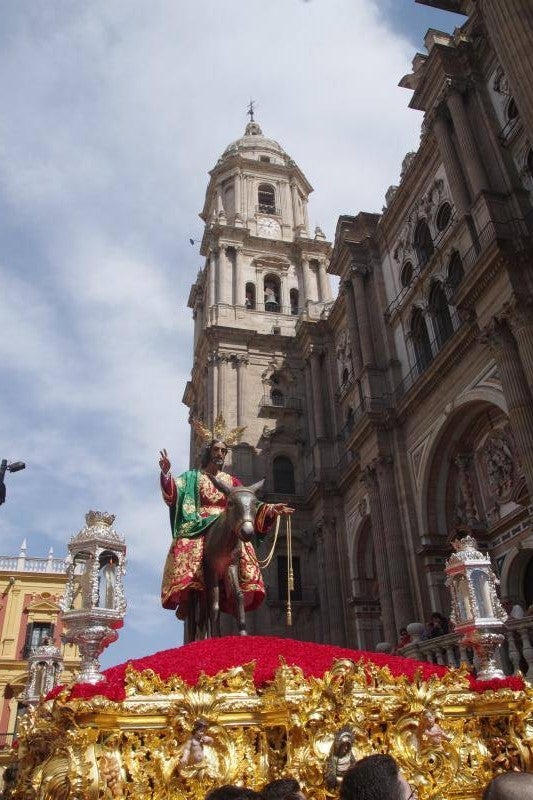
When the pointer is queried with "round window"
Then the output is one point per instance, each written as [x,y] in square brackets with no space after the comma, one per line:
[444,215]
[407,274]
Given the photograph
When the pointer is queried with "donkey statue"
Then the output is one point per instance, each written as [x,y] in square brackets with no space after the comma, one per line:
[222,551]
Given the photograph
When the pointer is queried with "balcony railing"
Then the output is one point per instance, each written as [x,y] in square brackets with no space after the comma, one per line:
[515,654]
[24,564]
[267,208]
[282,402]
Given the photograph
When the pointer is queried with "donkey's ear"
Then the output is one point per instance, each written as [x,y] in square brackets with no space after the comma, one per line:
[221,485]
[256,486]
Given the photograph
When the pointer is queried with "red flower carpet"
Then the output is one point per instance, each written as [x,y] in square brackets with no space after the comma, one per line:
[215,655]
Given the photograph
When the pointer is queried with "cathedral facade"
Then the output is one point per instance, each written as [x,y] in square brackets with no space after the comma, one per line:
[402,408]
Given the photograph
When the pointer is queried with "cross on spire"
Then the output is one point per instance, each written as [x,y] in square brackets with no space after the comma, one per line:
[251,108]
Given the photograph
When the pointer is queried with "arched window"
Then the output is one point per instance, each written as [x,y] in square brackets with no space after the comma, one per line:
[283,473]
[455,270]
[272,291]
[421,342]
[295,301]
[266,199]
[249,300]
[511,112]
[345,376]
[423,243]
[277,397]
[438,305]
[407,274]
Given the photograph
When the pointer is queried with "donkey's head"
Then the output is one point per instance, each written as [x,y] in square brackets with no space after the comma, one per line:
[241,507]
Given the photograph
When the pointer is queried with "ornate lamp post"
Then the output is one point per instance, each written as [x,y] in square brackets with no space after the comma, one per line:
[93,604]
[45,665]
[477,613]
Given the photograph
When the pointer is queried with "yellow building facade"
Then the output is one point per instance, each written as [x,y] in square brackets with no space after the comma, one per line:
[30,590]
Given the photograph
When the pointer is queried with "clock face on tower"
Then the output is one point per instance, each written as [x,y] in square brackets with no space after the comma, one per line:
[268,227]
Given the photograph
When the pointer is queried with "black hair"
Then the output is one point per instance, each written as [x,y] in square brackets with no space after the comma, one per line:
[281,789]
[231,792]
[372,778]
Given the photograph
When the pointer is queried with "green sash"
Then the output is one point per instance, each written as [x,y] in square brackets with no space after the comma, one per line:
[187,521]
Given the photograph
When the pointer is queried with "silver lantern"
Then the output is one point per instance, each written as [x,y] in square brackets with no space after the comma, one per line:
[477,613]
[94,604]
[45,665]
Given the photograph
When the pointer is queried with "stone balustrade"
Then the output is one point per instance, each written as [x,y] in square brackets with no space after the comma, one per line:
[515,654]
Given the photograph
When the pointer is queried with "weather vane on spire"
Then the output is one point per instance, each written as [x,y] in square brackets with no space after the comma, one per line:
[251,108]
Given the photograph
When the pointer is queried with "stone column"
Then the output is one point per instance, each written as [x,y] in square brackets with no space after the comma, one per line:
[212,285]
[297,222]
[463,463]
[510,28]
[396,556]
[452,165]
[241,363]
[222,382]
[238,285]
[306,282]
[353,327]
[306,218]
[212,388]
[323,283]
[318,405]
[521,321]
[516,390]
[380,553]
[467,144]
[365,332]
[322,582]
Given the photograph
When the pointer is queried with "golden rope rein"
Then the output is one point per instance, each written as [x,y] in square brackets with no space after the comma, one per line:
[265,562]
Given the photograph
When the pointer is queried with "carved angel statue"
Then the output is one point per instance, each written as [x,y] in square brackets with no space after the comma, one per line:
[429,733]
[193,756]
[340,758]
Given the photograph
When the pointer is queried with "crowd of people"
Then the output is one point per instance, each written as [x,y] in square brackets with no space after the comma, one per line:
[376,777]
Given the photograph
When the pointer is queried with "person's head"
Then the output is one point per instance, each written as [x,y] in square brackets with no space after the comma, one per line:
[375,777]
[437,618]
[230,792]
[510,786]
[283,789]
[214,453]
[403,632]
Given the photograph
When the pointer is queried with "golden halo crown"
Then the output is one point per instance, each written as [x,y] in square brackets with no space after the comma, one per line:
[218,431]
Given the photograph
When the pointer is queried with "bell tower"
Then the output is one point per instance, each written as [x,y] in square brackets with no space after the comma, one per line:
[263,273]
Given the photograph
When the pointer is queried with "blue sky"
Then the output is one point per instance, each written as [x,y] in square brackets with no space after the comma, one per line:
[115,113]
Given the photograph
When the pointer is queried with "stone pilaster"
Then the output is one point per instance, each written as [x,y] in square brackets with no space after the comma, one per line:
[239,287]
[309,394]
[504,348]
[369,479]
[241,362]
[322,581]
[222,382]
[359,272]
[395,548]
[238,197]
[452,165]
[297,221]
[330,567]
[212,284]
[222,277]
[353,327]
[212,388]
[510,28]
[318,404]
[467,144]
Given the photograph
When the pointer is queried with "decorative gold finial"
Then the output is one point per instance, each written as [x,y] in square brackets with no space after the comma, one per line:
[218,431]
